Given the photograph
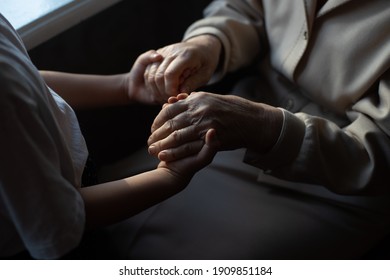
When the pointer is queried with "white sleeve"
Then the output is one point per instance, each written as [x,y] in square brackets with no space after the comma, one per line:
[39,203]
[44,207]
[240,28]
[349,160]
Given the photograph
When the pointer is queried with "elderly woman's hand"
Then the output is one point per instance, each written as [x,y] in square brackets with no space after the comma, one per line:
[238,123]
[185,66]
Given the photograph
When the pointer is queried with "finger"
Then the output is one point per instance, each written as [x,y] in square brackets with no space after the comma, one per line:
[182,96]
[209,149]
[159,77]
[142,62]
[161,133]
[148,57]
[163,140]
[167,113]
[188,149]
[150,80]
[209,146]
[211,139]
[172,99]
[174,73]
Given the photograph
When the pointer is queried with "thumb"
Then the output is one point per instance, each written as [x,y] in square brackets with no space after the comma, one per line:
[206,154]
[149,57]
[141,63]
[210,147]
[211,139]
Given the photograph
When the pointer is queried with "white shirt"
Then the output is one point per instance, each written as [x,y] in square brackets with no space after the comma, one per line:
[43,155]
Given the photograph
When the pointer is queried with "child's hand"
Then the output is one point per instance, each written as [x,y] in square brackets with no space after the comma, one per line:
[174,99]
[135,86]
[186,166]
[187,66]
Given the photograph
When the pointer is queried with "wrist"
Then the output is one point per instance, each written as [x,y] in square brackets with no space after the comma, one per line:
[126,88]
[208,40]
[211,43]
[172,178]
[265,134]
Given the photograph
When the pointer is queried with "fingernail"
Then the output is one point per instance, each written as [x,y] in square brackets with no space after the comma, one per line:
[162,156]
[152,149]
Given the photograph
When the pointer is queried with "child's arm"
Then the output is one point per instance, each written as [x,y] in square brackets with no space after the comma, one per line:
[86,91]
[114,201]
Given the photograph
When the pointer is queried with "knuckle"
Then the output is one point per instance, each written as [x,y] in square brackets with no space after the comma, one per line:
[149,78]
[170,125]
[176,135]
[159,77]
[169,115]
[201,95]
[170,74]
[173,154]
[194,121]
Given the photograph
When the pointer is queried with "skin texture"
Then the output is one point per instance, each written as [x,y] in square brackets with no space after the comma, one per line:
[185,66]
[237,121]
[114,201]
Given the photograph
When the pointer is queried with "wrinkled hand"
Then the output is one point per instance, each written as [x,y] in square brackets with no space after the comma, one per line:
[178,126]
[185,67]
[237,122]
[134,83]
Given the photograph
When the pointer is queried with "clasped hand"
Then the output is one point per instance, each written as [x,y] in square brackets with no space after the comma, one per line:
[185,67]
[237,122]
[186,119]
